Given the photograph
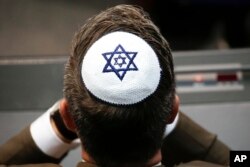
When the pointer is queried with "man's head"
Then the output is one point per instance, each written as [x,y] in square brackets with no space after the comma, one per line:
[113,133]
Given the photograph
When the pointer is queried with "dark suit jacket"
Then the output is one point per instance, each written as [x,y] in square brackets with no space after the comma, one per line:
[189,145]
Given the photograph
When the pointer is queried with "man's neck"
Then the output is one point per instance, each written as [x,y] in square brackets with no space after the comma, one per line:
[154,161]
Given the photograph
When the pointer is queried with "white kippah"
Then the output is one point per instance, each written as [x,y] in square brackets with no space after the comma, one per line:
[121,68]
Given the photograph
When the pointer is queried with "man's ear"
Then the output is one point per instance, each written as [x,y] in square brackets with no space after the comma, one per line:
[66,116]
[175,109]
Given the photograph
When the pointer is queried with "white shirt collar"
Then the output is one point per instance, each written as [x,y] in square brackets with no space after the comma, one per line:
[171,127]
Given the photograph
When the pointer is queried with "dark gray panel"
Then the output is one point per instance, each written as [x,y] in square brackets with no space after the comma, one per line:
[230,121]
[30,86]
[212,57]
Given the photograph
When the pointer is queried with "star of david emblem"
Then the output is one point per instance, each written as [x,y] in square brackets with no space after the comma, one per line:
[119,61]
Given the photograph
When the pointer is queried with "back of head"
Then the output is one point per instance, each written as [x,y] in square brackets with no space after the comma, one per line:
[113,133]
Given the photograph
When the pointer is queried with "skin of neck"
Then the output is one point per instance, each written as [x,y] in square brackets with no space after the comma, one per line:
[151,162]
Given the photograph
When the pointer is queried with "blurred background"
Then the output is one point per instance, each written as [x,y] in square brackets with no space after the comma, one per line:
[210,40]
[37,27]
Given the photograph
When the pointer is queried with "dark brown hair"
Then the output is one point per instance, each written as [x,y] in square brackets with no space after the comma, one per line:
[113,134]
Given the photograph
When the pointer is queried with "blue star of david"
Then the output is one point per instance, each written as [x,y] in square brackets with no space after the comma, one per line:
[119,61]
